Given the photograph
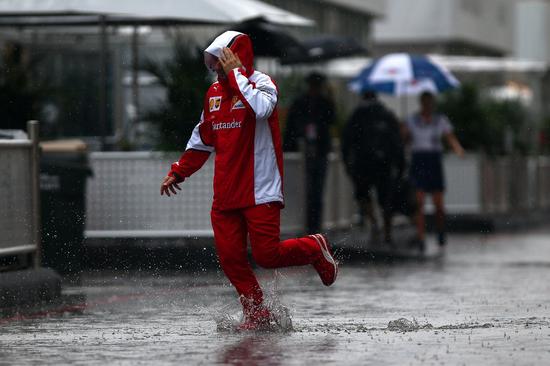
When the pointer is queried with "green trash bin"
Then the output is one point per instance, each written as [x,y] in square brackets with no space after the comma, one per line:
[64,169]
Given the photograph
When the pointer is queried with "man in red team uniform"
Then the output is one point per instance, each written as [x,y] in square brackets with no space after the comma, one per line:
[239,122]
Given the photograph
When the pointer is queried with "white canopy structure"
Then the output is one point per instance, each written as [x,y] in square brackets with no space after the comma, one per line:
[42,12]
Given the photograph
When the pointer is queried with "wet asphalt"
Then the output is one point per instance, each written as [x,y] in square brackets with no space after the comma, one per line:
[484,301]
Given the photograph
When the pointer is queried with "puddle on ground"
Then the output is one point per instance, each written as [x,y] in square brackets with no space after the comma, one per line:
[401,325]
[228,318]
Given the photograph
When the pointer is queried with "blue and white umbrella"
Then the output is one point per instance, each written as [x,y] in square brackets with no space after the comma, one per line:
[404,74]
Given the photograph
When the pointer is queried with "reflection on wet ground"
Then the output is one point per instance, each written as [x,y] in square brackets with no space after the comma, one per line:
[486,301]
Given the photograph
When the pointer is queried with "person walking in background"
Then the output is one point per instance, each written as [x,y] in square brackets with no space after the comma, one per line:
[373,155]
[424,132]
[309,120]
[240,124]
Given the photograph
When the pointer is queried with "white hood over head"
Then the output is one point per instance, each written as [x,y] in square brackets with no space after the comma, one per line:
[221,41]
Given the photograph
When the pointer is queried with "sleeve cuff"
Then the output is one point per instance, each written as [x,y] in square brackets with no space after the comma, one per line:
[233,76]
[178,177]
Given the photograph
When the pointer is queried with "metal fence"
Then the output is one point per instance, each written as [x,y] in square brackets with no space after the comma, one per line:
[20,195]
[515,184]
[543,181]
[123,197]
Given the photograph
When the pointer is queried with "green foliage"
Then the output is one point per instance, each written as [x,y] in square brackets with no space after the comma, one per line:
[76,94]
[482,124]
[20,93]
[464,109]
[185,79]
[290,88]
[293,86]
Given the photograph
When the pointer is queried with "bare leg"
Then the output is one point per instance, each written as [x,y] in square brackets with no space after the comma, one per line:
[437,199]
[420,220]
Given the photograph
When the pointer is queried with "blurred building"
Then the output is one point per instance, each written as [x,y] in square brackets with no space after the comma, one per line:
[452,27]
[62,64]
[532,39]
[350,18]
[467,35]
[501,46]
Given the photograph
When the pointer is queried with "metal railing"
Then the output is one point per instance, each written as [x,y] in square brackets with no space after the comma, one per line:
[123,198]
[20,196]
[515,184]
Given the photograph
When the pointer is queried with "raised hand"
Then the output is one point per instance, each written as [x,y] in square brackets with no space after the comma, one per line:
[229,60]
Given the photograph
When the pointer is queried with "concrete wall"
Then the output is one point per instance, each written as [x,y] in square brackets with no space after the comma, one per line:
[479,25]
[533,30]
[374,7]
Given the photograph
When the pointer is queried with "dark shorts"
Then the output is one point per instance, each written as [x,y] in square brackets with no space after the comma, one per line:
[426,172]
[381,180]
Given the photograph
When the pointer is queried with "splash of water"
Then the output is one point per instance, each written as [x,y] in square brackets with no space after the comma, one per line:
[280,312]
[228,318]
[406,325]
[225,322]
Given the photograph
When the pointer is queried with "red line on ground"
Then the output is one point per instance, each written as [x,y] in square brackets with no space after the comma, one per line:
[74,308]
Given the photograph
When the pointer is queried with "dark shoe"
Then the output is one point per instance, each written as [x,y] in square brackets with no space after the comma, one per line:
[326,266]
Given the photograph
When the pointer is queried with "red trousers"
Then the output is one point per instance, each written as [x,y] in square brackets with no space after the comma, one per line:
[262,225]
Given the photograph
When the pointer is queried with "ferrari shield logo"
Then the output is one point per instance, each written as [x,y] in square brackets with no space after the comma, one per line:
[214,103]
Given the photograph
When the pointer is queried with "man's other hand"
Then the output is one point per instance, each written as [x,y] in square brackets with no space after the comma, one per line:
[229,60]
[169,184]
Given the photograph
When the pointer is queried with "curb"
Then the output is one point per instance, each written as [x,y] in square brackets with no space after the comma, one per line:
[492,223]
[197,254]
[354,244]
[28,287]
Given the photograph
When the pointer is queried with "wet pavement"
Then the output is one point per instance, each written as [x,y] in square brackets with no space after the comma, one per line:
[486,301]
